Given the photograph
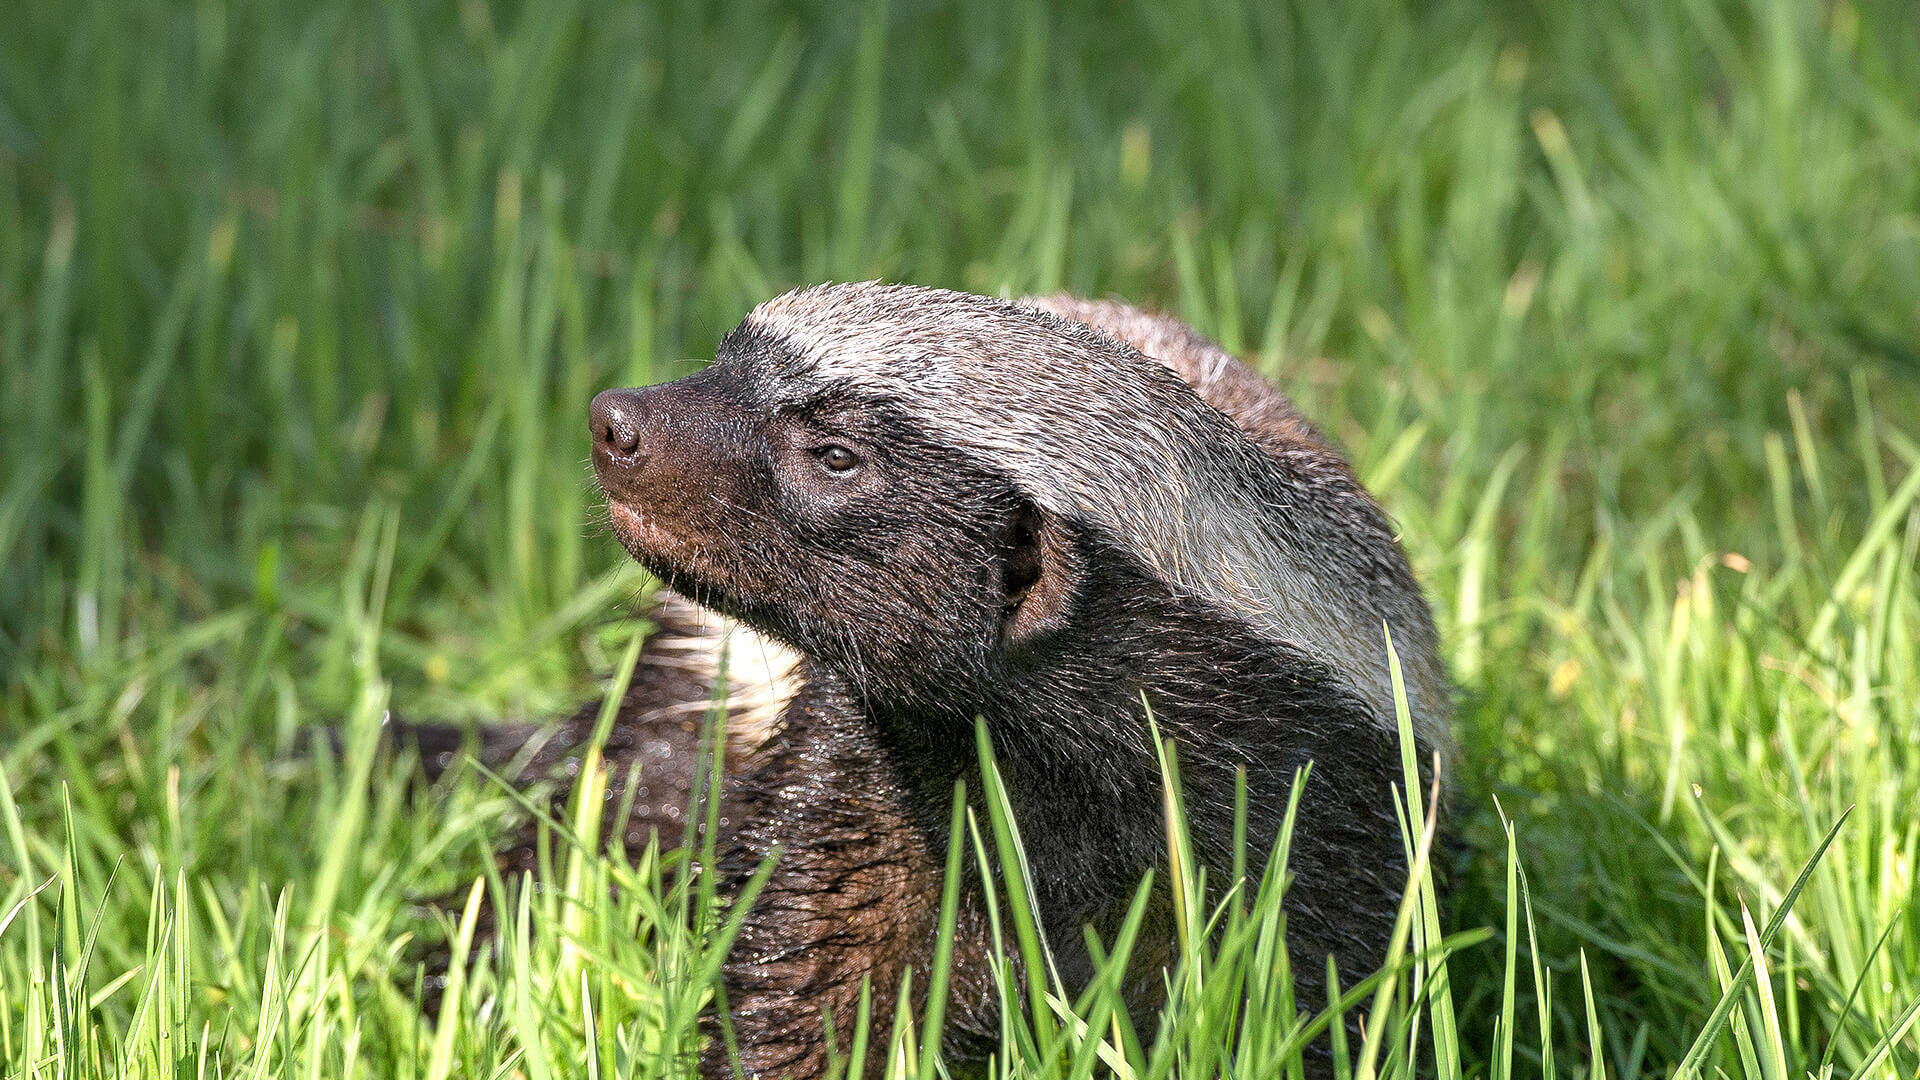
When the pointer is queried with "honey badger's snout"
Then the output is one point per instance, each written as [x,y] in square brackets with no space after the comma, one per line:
[646,438]
[669,459]
[650,442]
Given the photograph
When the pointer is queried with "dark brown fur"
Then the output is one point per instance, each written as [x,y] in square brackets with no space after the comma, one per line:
[928,587]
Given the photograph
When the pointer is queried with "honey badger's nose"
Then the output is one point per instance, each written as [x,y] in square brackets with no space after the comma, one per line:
[616,417]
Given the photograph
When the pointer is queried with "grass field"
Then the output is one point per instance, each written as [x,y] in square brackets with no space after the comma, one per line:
[1616,306]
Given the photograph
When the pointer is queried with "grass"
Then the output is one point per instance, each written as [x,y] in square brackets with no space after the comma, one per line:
[1613,304]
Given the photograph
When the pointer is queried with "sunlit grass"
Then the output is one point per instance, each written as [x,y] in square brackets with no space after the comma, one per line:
[300,305]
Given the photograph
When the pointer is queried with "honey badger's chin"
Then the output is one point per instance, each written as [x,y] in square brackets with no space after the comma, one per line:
[639,533]
[682,565]
[696,570]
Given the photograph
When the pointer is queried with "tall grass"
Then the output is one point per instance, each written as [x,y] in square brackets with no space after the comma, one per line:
[300,304]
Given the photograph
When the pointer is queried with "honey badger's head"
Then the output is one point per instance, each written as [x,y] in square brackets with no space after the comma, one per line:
[823,509]
[917,487]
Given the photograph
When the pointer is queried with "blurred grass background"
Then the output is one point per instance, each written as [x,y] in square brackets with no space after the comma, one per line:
[1615,305]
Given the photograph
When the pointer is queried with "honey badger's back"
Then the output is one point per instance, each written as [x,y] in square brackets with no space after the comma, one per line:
[1270,419]
[1263,412]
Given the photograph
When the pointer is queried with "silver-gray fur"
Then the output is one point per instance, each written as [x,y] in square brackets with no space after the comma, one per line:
[1091,427]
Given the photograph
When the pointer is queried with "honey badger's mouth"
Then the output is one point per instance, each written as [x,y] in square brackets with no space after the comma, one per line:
[654,545]
[681,564]
[631,526]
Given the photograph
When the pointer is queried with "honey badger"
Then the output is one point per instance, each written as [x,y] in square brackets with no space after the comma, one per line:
[922,507]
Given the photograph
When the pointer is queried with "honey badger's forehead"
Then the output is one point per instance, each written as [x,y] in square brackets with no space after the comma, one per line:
[1077,420]
[938,348]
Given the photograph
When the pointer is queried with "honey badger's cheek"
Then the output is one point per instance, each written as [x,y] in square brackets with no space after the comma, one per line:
[922,609]
[947,579]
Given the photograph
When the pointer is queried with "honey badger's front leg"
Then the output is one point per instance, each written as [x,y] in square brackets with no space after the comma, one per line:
[854,898]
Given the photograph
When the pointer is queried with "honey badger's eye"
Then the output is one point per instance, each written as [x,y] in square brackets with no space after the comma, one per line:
[838,459]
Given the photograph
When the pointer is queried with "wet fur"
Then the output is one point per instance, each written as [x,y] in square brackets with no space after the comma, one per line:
[982,581]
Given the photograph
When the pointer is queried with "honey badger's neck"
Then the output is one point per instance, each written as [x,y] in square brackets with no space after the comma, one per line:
[1071,735]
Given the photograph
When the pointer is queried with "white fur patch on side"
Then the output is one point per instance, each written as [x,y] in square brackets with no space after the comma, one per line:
[762,675]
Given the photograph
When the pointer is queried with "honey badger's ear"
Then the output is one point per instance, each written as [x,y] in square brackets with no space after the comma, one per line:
[1040,577]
